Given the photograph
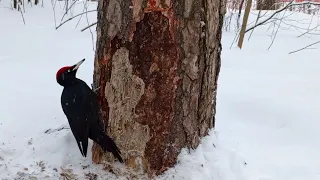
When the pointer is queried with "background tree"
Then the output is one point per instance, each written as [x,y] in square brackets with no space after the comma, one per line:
[15,4]
[266,4]
[157,64]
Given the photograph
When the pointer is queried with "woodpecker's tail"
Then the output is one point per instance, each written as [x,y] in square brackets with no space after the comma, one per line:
[106,143]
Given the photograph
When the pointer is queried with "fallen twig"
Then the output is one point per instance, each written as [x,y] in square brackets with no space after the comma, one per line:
[49,131]
[304,47]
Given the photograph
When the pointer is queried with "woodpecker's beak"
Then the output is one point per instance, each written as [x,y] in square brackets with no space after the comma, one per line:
[76,66]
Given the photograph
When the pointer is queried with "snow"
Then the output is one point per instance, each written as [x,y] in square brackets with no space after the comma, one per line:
[268,102]
[266,124]
[209,161]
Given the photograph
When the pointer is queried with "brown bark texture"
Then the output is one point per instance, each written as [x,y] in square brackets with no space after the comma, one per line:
[266,4]
[157,64]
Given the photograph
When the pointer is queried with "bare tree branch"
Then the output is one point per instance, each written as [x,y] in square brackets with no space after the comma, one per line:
[92,37]
[88,26]
[255,25]
[270,17]
[297,28]
[308,31]
[24,22]
[275,35]
[80,17]
[290,4]
[74,2]
[54,11]
[74,17]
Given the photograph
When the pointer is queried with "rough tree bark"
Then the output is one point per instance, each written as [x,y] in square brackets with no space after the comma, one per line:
[157,64]
[266,4]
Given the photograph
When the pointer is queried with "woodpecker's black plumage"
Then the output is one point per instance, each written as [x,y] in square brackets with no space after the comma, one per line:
[80,105]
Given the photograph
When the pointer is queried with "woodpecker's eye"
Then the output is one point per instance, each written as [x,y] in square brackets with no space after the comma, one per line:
[69,70]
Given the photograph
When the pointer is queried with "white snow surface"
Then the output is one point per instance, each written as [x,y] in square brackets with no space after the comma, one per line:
[266,123]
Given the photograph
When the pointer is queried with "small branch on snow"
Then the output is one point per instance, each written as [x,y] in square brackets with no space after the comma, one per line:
[49,131]
[304,47]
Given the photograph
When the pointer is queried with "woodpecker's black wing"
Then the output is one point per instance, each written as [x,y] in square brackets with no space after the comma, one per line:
[81,107]
[94,107]
[75,101]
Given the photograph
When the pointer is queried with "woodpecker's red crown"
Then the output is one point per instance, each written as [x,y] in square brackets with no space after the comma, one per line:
[69,68]
[62,70]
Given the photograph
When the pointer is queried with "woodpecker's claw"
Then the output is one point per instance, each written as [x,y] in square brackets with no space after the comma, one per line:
[94,89]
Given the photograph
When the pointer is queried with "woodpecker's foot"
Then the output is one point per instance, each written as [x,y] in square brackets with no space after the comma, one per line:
[93,86]
[95,90]
[49,131]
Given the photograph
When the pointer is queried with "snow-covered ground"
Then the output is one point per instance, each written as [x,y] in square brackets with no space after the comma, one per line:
[266,115]
[269,100]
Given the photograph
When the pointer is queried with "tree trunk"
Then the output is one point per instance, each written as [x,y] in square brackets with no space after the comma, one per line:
[157,64]
[244,23]
[15,4]
[266,4]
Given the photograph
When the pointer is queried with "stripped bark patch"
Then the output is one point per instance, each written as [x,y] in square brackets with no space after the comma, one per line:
[123,92]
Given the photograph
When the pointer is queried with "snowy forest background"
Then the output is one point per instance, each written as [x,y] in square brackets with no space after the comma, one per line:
[268,94]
